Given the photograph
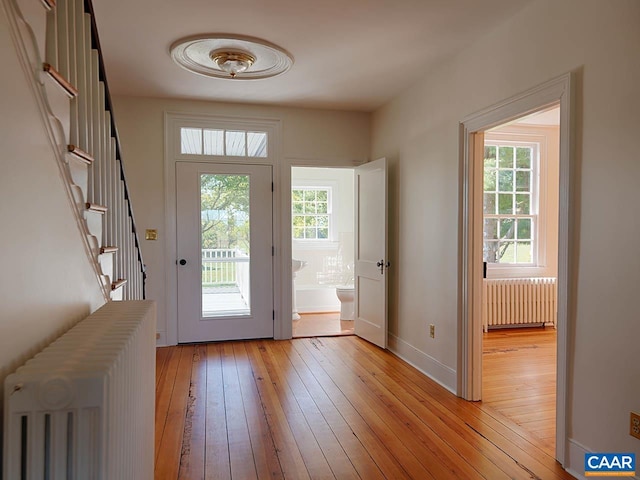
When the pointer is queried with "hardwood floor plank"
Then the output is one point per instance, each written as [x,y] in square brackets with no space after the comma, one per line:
[162,354]
[351,443]
[166,377]
[312,454]
[330,446]
[519,379]
[340,408]
[388,464]
[473,448]
[264,450]
[217,465]
[168,458]
[193,441]
[321,325]
[464,444]
[289,454]
[444,461]
[240,453]
[503,433]
[390,431]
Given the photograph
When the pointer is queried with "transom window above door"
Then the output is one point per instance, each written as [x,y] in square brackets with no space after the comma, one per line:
[218,142]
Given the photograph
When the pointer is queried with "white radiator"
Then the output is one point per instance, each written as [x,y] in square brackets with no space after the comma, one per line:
[518,301]
[84,407]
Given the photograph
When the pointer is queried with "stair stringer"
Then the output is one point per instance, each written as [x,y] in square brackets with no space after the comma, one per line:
[30,49]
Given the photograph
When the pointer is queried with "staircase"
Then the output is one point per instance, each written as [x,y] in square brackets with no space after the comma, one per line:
[58,43]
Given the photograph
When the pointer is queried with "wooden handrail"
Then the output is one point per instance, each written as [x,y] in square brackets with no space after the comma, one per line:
[62,82]
[80,154]
[94,207]
[95,40]
[118,283]
[49,4]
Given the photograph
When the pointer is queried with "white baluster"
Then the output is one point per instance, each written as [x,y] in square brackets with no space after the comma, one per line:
[98,166]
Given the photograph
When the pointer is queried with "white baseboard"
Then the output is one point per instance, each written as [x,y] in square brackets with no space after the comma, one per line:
[432,368]
[575,461]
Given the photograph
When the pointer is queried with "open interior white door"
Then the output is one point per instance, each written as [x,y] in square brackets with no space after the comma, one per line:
[371,258]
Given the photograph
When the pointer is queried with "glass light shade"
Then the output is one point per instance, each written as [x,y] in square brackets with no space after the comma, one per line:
[233,62]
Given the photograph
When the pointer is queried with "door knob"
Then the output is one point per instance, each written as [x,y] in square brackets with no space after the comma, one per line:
[381,266]
[183,261]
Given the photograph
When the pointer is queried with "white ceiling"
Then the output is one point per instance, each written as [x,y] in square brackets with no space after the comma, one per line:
[349,54]
[549,117]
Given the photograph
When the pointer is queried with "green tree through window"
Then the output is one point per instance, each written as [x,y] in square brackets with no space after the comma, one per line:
[224,203]
[310,211]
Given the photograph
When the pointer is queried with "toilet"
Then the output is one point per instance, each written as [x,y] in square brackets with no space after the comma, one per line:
[346,295]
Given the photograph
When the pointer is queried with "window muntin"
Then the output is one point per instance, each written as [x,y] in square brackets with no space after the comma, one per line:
[510,203]
[216,142]
[311,213]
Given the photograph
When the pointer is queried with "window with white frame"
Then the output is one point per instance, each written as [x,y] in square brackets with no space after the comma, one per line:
[217,142]
[311,213]
[511,203]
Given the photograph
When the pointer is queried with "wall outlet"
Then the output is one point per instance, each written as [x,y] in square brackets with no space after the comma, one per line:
[432,331]
[634,428]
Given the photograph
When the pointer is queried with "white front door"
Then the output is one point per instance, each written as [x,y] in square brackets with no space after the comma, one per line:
[224,246]
[371,258]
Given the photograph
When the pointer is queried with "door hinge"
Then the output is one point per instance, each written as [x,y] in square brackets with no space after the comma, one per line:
[273,315]
[272,187]
[273,251]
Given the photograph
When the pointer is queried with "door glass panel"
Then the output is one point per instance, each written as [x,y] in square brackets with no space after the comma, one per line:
[224,239]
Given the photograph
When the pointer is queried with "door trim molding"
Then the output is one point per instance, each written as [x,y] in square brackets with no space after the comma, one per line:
[172,123]
[560,91]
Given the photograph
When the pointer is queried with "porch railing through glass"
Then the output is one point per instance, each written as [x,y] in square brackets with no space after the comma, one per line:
[225,282]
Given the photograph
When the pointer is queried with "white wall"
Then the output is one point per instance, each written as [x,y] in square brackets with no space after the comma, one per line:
[310,137]
[418,133]
[47,283]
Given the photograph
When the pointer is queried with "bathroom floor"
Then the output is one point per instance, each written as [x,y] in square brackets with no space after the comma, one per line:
[321,325]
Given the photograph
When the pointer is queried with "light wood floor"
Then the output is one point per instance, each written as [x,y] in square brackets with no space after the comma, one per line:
[334,407]
[321,324]
[519,379]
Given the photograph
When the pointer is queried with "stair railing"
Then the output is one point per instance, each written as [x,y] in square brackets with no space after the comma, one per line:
[73,54]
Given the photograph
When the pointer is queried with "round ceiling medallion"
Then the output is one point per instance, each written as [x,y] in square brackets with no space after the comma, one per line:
[230,56]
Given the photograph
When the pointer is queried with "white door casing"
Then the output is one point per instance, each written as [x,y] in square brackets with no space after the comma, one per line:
[556,91]
[194,323]
[371,253]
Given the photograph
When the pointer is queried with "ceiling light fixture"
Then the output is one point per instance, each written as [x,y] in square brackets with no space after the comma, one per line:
[230,56]
[233,62]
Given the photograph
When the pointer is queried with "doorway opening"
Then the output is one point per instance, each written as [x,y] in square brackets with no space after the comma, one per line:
[519,295]
[558,91]
[322,247]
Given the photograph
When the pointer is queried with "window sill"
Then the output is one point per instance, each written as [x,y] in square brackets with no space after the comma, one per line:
[495,272]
